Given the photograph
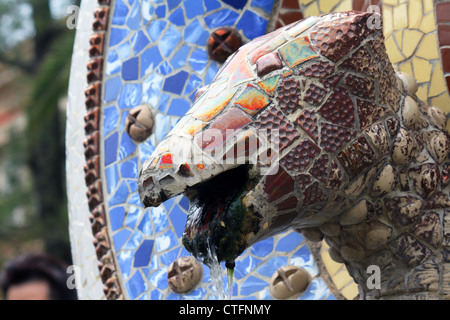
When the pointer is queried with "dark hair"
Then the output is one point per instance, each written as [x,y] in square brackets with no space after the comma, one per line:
[32,267]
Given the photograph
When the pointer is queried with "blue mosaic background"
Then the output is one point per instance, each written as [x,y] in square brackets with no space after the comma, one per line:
[157,55]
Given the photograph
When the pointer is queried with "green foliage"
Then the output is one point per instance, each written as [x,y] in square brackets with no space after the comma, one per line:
[40,147]
[50,84]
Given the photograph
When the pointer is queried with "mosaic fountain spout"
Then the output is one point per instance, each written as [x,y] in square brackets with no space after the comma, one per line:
[309,127]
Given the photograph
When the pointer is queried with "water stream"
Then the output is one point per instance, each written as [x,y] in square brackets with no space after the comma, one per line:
[230,282]
[216,275]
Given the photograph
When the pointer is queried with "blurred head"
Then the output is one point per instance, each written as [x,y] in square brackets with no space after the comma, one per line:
[36,277]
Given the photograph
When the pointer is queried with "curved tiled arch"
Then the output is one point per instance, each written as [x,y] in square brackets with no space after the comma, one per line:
[443,30]
[93,102]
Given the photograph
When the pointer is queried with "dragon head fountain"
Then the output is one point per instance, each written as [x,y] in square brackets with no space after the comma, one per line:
[310,127]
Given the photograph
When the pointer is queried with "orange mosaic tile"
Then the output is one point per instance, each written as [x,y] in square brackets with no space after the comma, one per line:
[252,100]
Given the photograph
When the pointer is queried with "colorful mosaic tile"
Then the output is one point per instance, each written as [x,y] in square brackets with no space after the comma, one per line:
[159,57]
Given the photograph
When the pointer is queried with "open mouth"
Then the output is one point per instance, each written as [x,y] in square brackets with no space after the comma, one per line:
[218,222]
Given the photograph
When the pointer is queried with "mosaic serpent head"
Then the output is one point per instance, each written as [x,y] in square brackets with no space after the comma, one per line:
[310,127]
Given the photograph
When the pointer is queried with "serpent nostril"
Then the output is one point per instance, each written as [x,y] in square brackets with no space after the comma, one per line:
[185,171]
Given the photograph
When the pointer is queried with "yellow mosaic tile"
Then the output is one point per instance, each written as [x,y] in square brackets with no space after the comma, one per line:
[331,265]
[422,92]
[407,68]
[443,102]
[387,21]
[345,5]
[393,52]
[428,48]
[437,85]
[327,5]
[422,70]
[411,39]
[390,2]
[400,14]
[428,23]
[341,278]
[428,6]
[415,13]
[312,10]
[305,2]
[398,35]
[350,292]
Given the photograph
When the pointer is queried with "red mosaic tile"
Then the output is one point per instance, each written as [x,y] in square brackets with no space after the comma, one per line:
[334,137]
[339,108]
[291,17]
[333,80]
[268,63]
[443,12]
[314,95]
[303,180]
[445,58]
[278,185]
[444,34]
[272,120]
[314,195]
[290,4]
[361,87]
[363,5]
[319,69]
[319,170]
[289,94]
[308,122]
[362,62]
[288,204]
[336,37]
[299,158]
